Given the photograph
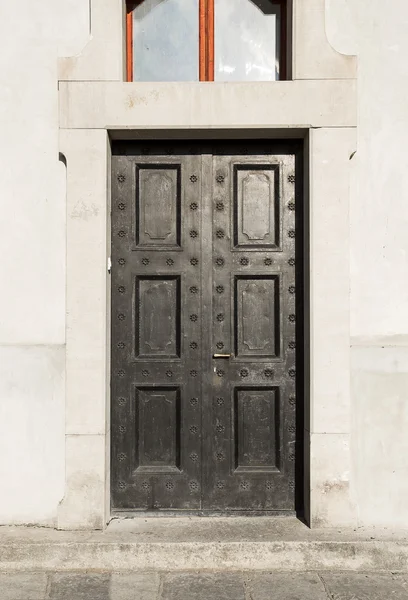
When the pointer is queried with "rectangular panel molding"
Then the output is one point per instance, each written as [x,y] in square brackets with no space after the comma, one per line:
[256,206]
[256,429]
[158,206]
[257,316]
[157,317]
[157,429]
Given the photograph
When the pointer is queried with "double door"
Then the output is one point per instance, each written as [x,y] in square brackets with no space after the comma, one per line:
[203,380]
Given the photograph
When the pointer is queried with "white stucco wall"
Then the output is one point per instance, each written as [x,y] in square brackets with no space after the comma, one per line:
[379,249]
[33,236]
[32,248]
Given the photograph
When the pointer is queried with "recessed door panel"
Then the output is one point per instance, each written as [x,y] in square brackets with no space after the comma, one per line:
[257,316]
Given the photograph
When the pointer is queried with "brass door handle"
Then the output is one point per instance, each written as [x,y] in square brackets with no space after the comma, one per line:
[221,355]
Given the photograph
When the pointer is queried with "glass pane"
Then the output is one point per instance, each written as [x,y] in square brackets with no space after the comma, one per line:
[165,40]
[246,40]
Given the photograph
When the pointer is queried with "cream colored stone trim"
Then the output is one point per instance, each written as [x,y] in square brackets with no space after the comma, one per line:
[294,104]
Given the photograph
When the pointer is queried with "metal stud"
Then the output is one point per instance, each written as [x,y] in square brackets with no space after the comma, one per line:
[193,178]
[121,177]
[193,318]
[193,206]
[194,262]
[193,233]
[220,317]
[244,261]
[269,373]
[244,373]
[268,261]
[219,261]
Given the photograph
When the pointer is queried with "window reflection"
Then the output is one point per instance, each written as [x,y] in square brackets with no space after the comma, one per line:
[165,40]
[247,40]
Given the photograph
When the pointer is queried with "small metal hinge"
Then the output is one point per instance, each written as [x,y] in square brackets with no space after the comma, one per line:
[109,265]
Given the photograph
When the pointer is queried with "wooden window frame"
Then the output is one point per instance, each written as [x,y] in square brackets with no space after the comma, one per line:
[206,39]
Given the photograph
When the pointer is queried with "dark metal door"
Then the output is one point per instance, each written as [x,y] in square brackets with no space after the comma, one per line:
[203,327]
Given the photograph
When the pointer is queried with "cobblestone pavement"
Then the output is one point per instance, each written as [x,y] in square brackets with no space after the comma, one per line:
[204,586]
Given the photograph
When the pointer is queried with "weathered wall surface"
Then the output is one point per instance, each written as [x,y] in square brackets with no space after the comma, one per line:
[32,248]
[379,249]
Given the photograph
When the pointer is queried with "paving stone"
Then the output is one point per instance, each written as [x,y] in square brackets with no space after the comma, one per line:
[284,586]
[79,586]
[135,586]
[211,586]
[23,586]
[365,586]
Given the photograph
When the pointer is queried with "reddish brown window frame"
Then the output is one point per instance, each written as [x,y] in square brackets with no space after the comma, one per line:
[206,39]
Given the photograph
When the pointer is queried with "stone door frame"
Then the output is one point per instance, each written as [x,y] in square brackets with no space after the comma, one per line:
[327,450]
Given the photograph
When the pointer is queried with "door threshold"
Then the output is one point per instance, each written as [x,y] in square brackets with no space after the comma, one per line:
[137,514]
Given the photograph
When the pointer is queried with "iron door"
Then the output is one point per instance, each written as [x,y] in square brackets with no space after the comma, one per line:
[203,327]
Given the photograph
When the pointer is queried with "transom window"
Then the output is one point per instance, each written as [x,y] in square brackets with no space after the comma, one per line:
[206,40]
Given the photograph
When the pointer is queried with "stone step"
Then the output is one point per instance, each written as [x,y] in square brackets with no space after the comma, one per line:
[182,543]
